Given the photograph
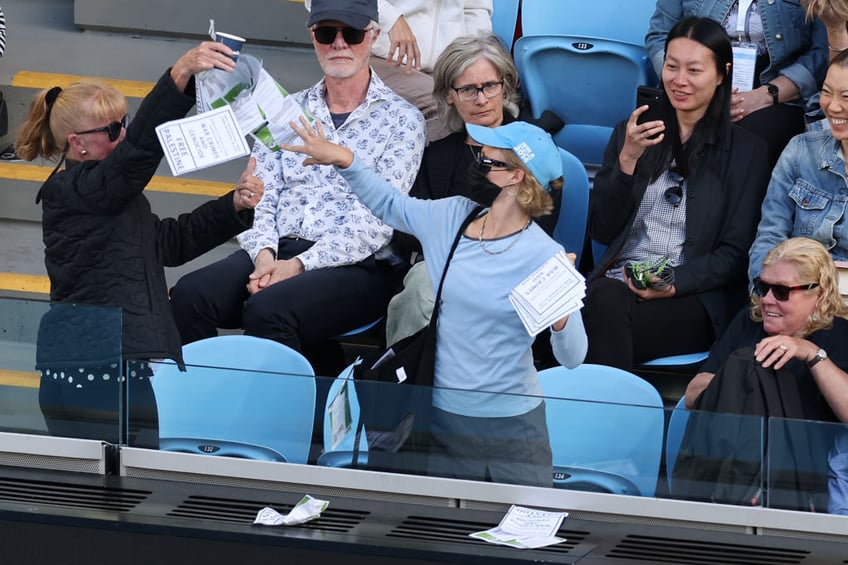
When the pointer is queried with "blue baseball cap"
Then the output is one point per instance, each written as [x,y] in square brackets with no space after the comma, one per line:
[532,144]
[355,13]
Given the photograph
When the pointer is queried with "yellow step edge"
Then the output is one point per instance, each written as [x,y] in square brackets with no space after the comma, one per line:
[32,79]
[38,173]
[17,282]
[24,379]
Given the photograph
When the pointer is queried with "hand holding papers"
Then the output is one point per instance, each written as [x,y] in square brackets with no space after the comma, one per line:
[551,292]
[525,528]
[231,105]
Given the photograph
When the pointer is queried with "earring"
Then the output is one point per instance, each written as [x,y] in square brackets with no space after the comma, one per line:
[83,152]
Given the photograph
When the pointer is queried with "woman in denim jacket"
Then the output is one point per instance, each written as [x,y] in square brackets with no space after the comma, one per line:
[808,192]
[792,57]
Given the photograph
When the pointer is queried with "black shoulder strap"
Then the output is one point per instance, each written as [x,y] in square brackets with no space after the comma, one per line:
[474,213]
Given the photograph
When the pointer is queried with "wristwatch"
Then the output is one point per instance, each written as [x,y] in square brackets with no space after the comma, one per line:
[774,91]
[821,355]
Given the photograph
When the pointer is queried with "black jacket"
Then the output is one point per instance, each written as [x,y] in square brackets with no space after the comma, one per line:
[104,246]
[724,192]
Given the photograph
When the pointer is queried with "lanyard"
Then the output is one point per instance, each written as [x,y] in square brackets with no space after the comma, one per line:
[742,16]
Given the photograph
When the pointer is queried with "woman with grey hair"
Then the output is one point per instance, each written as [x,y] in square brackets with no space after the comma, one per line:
[475,83]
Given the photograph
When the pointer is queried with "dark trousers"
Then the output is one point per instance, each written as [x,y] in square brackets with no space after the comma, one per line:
[776,125]
[306,309]
[624,331]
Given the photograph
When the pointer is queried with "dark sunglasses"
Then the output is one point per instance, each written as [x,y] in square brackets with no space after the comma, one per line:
[325,35]
[113,130]
[674,194]
[780,291]
[486,164]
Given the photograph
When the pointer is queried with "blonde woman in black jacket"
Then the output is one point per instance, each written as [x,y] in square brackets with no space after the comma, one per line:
[104,246]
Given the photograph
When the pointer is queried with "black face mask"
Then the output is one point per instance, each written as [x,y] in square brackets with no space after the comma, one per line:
[481,189]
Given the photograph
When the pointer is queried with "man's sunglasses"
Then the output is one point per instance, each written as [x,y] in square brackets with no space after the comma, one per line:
[325,35]
[674,194]
[486,164]
[113,130]
[780,291]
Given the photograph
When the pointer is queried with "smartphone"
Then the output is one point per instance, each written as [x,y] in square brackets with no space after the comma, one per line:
[653,98]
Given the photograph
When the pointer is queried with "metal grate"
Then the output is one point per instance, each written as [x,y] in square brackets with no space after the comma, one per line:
[241,511]
[670,550]
[72,496]
[440,529]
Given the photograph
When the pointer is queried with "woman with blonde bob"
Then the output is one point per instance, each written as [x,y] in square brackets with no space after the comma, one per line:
[796,320]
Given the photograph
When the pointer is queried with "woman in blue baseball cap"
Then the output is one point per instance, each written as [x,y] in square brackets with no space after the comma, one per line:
[489,419]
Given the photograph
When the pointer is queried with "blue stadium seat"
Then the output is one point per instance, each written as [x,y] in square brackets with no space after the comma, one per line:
[674,437]
[341,454]
[240,396]
[505,20]
[589,82]
[622,20]
[609,437]
[570,230]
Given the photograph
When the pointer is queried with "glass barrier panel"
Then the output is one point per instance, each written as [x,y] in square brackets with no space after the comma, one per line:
[59,365]
[715,457]
[248,413]
[807,465]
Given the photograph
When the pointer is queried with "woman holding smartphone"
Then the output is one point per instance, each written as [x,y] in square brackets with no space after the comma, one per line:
[684,191]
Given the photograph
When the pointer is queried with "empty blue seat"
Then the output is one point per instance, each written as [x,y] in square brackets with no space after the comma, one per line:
[342,392]
[609,435]
[589,82]
[623,20]
[674,437]
[240,396]
[505,20]
[570,230]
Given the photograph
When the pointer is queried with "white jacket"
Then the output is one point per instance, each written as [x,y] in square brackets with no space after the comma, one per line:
[435,23]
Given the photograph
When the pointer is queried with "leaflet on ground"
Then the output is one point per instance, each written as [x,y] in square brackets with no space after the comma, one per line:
[525,528]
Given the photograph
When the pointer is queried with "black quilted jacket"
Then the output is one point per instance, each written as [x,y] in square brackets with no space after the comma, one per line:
[104,246]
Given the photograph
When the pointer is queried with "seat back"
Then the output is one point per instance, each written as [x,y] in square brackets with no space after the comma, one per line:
[505,20]
[610,428]
[674,437]
[589,82]
[240,396]
[623,20]
[342,413]
[570,230]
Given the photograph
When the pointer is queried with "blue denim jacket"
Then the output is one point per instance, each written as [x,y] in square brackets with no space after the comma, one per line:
[797,48]
[807,196]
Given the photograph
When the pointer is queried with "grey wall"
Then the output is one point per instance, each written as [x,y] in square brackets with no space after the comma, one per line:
[263,21]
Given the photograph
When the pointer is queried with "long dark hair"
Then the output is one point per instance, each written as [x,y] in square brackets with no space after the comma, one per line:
[714,126]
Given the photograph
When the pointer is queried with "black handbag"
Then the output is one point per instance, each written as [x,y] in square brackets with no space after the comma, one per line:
[394,388]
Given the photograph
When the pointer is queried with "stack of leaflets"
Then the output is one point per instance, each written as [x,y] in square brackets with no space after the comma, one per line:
[554,290]
[525,528]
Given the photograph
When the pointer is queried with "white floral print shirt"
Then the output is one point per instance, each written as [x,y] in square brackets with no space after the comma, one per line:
[315,203]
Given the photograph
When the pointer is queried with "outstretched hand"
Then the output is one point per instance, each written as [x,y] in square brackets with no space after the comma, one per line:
[315,144]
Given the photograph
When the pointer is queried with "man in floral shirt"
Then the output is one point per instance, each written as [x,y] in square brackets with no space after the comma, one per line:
[312,266]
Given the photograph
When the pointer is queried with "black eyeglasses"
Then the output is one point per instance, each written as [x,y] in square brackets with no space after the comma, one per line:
[325,35]
[486,164]
[674,194]
[780,291]
[469,93]
[113,130]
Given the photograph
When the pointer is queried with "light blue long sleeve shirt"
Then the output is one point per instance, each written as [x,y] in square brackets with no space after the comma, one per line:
[483,347]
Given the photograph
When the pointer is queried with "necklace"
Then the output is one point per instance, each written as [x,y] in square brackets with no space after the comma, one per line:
[508,247]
